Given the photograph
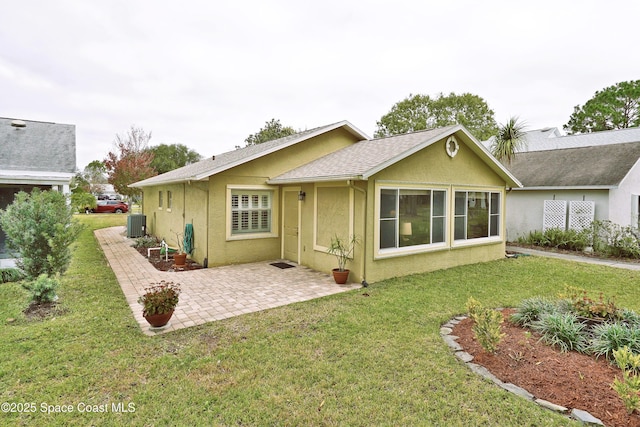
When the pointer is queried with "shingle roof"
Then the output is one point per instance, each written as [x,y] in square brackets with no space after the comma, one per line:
[37,146]
[550,139]
[356,160]
[595,166]
[362,160]
[224,161]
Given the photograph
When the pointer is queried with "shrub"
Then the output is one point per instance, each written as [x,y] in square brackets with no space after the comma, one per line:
[146,242]
[630,317]
[584,305]
[559,238]
[473,307]
[628,388]
[10,275]
[487,329]
[531,309]
[487,324]
[40,231]
[611,239]
[562,330]
[43,289]
[609,337]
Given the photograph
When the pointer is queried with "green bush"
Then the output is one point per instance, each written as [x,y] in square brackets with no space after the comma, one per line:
[531,309]
[10,275]
[630,317]
[487,329]
[487,324]
[611,239]
[562,330]
[609,337]
[146,242]
[43,289]
[628,388]
[557,238]
[40,231]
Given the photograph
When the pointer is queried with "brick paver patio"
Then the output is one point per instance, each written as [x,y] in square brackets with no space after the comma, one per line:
[212,294]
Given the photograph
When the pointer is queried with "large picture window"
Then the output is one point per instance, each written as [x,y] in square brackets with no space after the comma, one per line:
[411,217]
[477,215]
[251,211]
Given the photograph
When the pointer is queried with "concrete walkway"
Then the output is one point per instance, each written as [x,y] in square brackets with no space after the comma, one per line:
[617,263]
[212,294]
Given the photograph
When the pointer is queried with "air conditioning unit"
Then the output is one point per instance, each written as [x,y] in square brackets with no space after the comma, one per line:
[136,225]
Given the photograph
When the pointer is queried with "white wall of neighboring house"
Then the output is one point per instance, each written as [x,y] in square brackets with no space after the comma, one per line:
[623,207]
[525,208]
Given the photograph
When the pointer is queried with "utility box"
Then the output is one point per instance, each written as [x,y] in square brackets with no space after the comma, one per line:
[136,225]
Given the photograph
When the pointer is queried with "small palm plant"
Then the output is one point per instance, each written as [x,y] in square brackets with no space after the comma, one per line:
[342,249]
[509,140]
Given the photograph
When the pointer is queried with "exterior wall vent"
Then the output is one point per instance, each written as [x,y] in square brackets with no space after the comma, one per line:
[18,124]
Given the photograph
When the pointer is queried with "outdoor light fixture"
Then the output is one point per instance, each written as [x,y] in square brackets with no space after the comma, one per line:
[301,196]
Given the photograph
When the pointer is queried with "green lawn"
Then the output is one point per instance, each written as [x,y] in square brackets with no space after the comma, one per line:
[347,359]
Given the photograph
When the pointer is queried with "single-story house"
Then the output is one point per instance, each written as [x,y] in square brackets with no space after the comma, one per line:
[599,169]
[33,154]
[416,202]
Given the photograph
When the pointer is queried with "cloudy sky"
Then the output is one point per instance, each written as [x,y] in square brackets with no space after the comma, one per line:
[209,73]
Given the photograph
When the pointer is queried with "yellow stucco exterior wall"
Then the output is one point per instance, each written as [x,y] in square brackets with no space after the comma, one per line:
[206,203]
[431,168]
[342,207]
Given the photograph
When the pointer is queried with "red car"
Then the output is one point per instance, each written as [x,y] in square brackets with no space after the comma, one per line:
[111,206]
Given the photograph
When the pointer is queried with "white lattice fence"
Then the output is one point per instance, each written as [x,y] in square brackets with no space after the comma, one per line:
[555,214]
[581,214]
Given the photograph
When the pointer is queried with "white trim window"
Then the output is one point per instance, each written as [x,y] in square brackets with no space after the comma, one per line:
[412,217]
[251,211]
[476,215]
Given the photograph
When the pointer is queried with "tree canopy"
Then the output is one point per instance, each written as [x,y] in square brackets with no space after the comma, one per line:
[508,140]
[169,157]
[420,112]
[272,130]
[130,161]
[614,107]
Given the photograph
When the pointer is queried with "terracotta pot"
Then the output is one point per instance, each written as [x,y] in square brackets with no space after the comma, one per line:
[180,259]
[158,320]
[340,276]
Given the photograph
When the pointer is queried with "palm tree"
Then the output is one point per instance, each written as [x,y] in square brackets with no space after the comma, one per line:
[509,139]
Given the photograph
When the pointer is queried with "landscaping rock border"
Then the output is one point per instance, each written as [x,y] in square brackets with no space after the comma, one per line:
[446,333]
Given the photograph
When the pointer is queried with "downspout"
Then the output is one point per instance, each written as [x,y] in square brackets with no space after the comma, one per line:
[364,225]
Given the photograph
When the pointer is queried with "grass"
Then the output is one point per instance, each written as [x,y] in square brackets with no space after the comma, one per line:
[346,359]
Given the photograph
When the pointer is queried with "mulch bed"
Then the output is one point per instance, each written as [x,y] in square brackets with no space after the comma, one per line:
[570,379]
[160,264]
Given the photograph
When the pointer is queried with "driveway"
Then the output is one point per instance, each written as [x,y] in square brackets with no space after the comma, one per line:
[212,294]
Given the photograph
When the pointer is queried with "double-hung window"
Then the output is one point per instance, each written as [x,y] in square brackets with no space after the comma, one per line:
[477,215]
[411,217]
[251,211]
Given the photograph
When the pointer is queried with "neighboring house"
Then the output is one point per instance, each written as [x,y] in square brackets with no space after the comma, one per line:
[417,202]
[600,167]
[33,154]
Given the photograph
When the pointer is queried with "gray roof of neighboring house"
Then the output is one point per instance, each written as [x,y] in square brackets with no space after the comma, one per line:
[603,166]
[362,160]
[37,146]
[224,161]
[552,139]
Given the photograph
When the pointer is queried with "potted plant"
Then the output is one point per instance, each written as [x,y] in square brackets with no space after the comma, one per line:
[159,301]
[342,249]
[180,257]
